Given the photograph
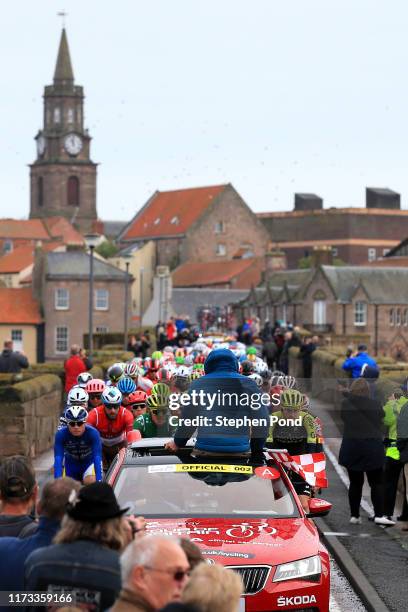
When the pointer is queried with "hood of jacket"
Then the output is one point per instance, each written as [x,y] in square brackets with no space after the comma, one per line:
[221,360]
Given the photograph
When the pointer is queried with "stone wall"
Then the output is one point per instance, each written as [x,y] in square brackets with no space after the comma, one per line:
[29,413]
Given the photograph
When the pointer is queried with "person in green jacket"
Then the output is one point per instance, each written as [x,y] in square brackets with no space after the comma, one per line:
[393,464]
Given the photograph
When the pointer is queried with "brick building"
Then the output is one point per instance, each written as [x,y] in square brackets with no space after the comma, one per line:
[356,235]
[235,274]
[61,284]
[339,301]
[200,224]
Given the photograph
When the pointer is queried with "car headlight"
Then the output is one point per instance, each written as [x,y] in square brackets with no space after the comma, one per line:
[303,568]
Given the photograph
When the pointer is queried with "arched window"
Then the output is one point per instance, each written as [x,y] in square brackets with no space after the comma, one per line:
[392,317]
[57,115]
[406,317]
[73,191]
[40,191]
[70,115]
[398,318]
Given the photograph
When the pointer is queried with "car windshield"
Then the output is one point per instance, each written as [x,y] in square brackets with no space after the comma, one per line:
[164,490]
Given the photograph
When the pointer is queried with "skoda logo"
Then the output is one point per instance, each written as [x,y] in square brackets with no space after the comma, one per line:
[210,561]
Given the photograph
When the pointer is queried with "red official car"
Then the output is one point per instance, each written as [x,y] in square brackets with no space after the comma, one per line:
[243,515]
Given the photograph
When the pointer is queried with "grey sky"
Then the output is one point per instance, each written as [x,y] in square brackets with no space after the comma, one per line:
[272,96]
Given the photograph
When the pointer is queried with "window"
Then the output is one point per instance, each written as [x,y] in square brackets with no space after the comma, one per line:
[70,115]
[174,220]
[17,338]
[61,339]
[101,329]
[219,227]
[360,313]
[319,312]
[392,317]
[385,251]
[57,115]
[398,317]
[335,251]
[405,319]
[221,249]
[73,191]
[157,221]
[101,299]
[61,299]
[372,254]
[7,246]
[40,192]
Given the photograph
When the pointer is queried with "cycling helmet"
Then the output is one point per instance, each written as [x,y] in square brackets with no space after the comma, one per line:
[251,350]
[266,375]
[75,413]
[291,398]
[180,360]
[111,396]
[83,378]
[160,394]
[147,363]
[131,369]
[137,397]
[198,366]
[199,359]
[288,382]
[164,375]
[189,360]
[115,372]
[168,349]
[157,355]
[260,366]
[126,385]
[182,372]
[96,385]
[179,352]
[257,379]
[77,396]
[195,375]
[154,365]
[247,367]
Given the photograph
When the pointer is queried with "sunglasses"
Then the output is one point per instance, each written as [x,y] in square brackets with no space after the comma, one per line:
[137,406]
[76,423]
[178,575]
[112,407]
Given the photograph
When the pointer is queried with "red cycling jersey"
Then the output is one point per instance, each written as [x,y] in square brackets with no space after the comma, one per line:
[112,431]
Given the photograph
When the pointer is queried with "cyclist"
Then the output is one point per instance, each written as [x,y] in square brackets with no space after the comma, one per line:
[77,448]
[137,403]
[181,380]
[296,439]
[115,373]
[113,421]
[126,386]
[94,388]
[77,396]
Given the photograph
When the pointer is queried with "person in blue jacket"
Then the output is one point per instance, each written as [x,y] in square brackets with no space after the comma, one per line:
[354,363]
[78,448]
[229,412]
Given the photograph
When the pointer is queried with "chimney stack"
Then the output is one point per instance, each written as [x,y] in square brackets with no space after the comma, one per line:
[382,198]
[322,256]
[308,201]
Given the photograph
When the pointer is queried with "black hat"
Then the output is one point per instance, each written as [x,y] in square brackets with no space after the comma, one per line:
[94,502]
[17,477]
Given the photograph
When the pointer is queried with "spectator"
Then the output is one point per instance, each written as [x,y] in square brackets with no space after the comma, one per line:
[192,551]
[85,553]
[161,339]
[145,343]
[171,330]
[154,572]
[18,495]
[267,331]
[362,450]
[308,347]
[402,442]
[269,351]
[11,361]
[354,363]
[393,463]
[213,588]
[291,339]
[14,551]
[134,345]
[74,365]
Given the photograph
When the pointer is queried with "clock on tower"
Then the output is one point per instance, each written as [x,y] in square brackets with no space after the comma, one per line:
[63,177]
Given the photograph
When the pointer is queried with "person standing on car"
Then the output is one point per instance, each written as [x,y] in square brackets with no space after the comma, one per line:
[237,399]
[11,361]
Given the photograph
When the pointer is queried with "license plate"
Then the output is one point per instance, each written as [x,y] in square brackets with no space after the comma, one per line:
[241,605]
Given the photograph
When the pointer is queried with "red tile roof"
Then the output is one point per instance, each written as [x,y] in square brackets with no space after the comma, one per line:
[170,213]
[19,306]
[59,227]
[40,229]
[240,273]
[23,256]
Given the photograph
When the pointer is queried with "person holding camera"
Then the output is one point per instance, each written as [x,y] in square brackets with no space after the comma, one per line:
[11,361]
[354,362]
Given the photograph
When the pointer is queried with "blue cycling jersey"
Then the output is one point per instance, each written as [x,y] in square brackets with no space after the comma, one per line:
[80,450]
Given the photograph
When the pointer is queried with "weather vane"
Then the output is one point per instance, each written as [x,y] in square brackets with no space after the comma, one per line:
[62,14]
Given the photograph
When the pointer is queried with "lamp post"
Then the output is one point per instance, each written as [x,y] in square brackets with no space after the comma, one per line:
[141,295]
[126,320]
[91,241]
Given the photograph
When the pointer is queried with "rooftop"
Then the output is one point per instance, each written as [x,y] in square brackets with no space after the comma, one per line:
[76,265]
[19,306]
[246,272]
[22,257]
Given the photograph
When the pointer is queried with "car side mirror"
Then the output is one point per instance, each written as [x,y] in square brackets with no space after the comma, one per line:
[318,507]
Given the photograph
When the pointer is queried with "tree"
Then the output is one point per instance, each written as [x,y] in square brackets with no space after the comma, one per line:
[307,262]
[107,249]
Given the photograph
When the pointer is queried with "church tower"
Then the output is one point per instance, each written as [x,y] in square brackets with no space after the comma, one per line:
[63,177]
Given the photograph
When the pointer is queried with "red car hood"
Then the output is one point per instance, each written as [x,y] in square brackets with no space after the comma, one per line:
[235,541]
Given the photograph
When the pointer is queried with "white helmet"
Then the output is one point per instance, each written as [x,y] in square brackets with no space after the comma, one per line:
[257,378]
[83,378]
[182,372]
[75,413]
[260,367]
[77,396]
[111,396]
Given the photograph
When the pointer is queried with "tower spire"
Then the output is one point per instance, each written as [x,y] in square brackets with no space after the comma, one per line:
[63,69]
